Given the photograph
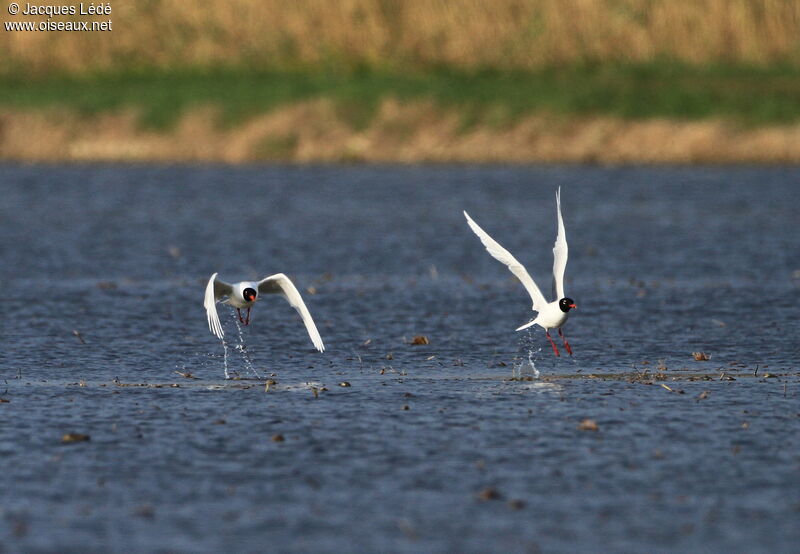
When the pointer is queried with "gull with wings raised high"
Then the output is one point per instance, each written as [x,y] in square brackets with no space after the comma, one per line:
[552,315]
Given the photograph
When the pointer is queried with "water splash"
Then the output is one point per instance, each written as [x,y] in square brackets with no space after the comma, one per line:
[239,346]
[225,357]
[525,365]
[242,348]
[528,366]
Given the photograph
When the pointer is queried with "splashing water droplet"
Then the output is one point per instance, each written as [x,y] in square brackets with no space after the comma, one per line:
[242,347]
[225,357]
[526,365]
[532,364]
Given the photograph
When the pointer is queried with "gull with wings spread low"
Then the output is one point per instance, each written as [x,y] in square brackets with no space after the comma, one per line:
[552,315]
[245,294]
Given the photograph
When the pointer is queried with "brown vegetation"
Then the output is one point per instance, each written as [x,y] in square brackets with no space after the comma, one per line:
[466,34]
[406,133]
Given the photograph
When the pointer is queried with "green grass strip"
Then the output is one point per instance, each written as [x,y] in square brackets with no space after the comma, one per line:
[747,95]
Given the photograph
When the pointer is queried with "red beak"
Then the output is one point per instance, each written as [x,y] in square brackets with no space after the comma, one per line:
[573,306]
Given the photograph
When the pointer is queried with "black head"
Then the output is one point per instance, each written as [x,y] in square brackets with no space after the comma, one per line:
[249,294]
[566,304]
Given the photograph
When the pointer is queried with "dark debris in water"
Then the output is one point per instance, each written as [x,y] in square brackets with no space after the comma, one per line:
[146,511]
[489,493]
[74,437]
[648,378]
[186,375]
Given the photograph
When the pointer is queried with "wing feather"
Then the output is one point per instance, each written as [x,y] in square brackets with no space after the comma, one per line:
[560,252]
[502,255]
[215,289]
[280,284]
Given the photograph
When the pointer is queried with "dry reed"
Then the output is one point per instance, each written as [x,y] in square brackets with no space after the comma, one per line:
[465,34]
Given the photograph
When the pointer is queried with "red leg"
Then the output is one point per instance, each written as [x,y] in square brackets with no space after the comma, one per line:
[564,338]
[239,313]
[247,322]
[555,348]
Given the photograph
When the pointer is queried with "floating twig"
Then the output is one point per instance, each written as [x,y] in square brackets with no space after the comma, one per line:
[185,374]
[74,437]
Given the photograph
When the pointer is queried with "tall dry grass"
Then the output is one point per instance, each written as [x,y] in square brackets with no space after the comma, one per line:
[467,34]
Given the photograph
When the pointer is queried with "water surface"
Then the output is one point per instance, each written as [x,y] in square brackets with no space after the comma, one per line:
[431,447]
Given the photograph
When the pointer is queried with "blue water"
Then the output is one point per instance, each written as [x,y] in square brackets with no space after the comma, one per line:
[103,271]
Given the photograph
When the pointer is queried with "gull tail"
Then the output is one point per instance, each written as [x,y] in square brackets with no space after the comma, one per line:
[526,325]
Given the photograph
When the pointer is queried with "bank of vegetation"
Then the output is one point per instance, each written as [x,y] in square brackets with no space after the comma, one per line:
[387,80]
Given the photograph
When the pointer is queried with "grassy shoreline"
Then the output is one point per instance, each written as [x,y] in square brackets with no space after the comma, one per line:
[749,96]
[646,113]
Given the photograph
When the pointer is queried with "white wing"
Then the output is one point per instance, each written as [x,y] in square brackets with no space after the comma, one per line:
[502,255]
[560,252]
[215,289]
[280,284]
